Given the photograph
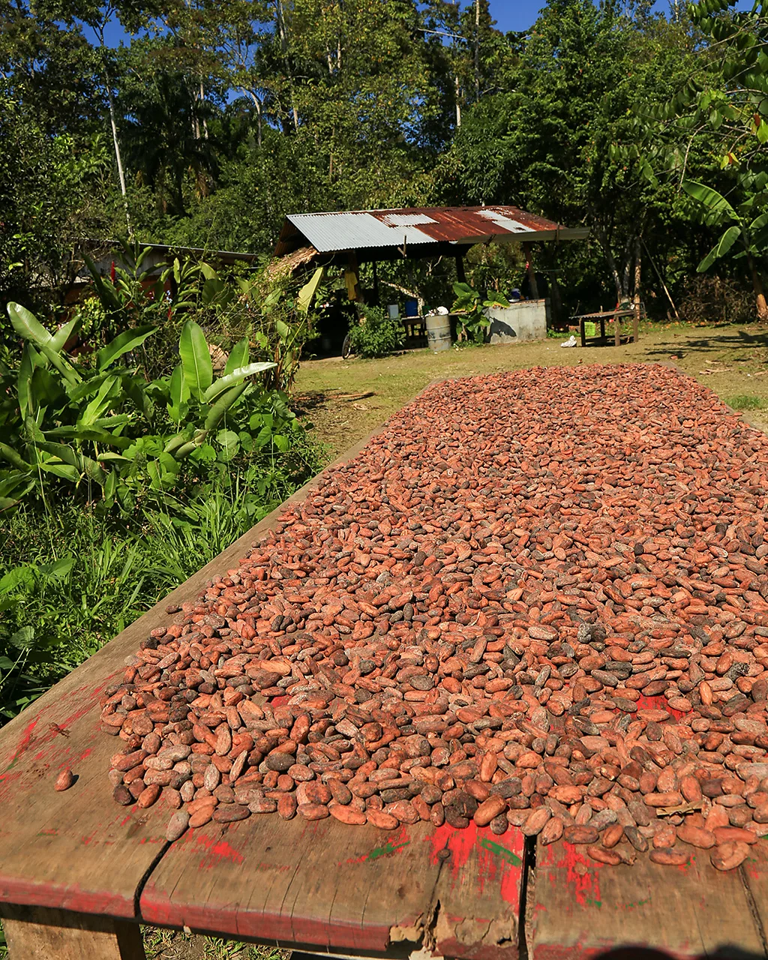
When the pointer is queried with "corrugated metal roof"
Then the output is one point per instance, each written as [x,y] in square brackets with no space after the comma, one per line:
[361,229]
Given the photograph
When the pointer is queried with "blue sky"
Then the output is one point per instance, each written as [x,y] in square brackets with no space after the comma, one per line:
[515,14]
[509,15]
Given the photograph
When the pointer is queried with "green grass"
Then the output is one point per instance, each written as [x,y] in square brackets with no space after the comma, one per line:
[746,401]
[348,399]
[70,580]
[175,945]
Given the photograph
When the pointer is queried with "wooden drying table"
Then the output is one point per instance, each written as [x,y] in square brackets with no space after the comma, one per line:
[78,873]
[602,316]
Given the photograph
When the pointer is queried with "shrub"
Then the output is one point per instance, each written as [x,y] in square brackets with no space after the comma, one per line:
[745,401]
[104,431]
[716,300]
[377,335]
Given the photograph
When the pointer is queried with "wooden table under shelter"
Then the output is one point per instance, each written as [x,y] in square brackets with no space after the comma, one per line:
[601,316]
[78,873]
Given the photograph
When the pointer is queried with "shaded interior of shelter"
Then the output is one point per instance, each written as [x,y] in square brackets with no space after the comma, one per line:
[356,241]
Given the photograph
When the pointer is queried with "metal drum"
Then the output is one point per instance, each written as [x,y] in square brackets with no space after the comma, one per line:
[438,331]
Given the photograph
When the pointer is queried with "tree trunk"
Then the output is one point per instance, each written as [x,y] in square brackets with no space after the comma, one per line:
[458,102]
[757,285]
[284,48]
[116,142]
[257,104]
[202,102]
[477,49]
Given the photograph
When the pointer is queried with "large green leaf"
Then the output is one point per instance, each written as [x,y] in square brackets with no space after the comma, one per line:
[85,465]
[123,343]
[222,405]
[711,199]
[92,433]
[722,247]
[237,376]
[28,326]
[8,453]
[26,395]
[195,358]
[238,356]
[99,404]
[46,388]
[60,338]
[179,395]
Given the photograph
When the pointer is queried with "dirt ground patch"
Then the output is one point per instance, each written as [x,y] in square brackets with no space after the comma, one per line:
[345,400]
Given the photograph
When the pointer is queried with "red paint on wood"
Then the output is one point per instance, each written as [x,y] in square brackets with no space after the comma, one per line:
[581,874]
[65,897]
[214,850]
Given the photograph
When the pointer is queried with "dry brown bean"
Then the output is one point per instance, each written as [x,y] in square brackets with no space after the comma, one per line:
[148,796]
[488,810]
[669,857]
[347,815]
[552,831]
[728,856]
[580,834]
[177,825]
[536,822]
[696,836]
[65,780]
[313,811]
[604,856]
[384,821]
[231,812]
[612,835]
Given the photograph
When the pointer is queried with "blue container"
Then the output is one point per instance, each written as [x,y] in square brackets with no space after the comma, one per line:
[411,308]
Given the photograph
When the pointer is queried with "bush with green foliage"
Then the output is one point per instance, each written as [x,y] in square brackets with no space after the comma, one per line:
[470,309]
[376,335]
[71,579]
[110,435]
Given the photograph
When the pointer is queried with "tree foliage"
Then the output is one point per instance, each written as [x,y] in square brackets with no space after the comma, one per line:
[209,122]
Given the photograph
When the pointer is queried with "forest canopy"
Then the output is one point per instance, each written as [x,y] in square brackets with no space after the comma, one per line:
[213,119]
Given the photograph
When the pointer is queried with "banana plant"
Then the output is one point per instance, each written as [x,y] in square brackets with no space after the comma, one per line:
[68,420]
[192,382]
[106,429]
[743,229]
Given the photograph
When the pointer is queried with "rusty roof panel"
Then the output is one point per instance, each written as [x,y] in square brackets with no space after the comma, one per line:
[360,229]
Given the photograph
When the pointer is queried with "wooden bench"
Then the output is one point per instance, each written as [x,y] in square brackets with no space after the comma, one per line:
[616,316]
[78,873]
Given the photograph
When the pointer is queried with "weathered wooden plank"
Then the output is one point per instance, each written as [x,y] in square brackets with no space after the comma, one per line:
[61,935]
[326,885]
[479,894]
[78,850]
[317,884]
[754,876]
[580,908]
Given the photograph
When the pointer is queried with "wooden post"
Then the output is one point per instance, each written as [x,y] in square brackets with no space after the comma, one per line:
[528,250]
[638,267]
[63,935]
[617,327]
[460,273]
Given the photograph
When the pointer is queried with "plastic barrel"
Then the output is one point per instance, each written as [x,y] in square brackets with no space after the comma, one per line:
[438,331]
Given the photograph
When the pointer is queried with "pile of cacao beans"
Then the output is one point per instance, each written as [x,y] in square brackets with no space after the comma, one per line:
[535,601]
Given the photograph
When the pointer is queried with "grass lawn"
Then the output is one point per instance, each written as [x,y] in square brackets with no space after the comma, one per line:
[345,400]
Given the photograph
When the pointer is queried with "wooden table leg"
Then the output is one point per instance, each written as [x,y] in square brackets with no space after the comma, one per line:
[616,330]
[602,331]
[582,333]
[63,935]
